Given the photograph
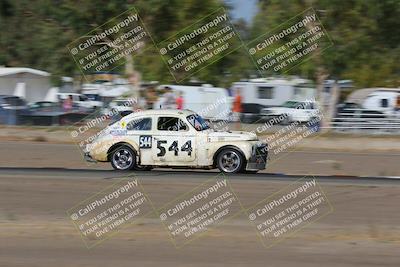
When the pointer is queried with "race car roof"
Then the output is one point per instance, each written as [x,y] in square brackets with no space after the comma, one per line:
[152,112]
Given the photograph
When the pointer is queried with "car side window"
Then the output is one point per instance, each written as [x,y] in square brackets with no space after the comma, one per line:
[384,103]
[265,92]
[171,124]
[140,124]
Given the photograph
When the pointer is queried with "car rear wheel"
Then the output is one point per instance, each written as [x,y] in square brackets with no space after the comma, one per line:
[123,158]
[230,160]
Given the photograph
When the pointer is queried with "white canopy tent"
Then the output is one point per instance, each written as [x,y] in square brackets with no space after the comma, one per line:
[31,84]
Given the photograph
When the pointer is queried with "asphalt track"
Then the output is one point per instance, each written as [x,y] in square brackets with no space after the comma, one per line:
[328,163]
[35,230]
[188,174]
[362,229]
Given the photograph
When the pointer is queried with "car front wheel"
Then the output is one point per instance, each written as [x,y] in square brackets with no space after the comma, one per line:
[123,158]
[230,160]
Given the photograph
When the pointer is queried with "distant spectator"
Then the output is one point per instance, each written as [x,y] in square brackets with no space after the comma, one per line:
[179,101]
[142,101]
[397,108]
[230,91]
[67,103]
[151,97]
[237,105]
[169,101]
[237,102]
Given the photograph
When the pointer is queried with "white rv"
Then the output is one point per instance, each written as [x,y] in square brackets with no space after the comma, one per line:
[274,91]
[212,103]
[385,100]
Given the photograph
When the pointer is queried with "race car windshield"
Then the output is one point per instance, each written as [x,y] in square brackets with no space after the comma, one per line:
[198,122]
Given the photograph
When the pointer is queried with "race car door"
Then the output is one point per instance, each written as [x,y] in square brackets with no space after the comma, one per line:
[173,142]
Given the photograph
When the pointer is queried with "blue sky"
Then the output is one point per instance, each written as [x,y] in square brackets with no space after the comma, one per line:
[245,9]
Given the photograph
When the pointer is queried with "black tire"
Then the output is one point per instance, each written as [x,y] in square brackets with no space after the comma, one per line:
[249,172]
[142,168]
[123,158]
[230,160]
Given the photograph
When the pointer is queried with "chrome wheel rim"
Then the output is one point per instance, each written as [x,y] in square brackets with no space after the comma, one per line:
[122,159]
[230,161]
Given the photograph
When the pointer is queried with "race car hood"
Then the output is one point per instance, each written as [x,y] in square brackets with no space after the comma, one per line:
[232,136]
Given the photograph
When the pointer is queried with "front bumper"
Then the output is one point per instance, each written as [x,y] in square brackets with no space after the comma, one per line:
[88,158]
[258,158]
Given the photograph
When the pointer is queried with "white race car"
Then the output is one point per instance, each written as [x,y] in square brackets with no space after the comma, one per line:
[175,138]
